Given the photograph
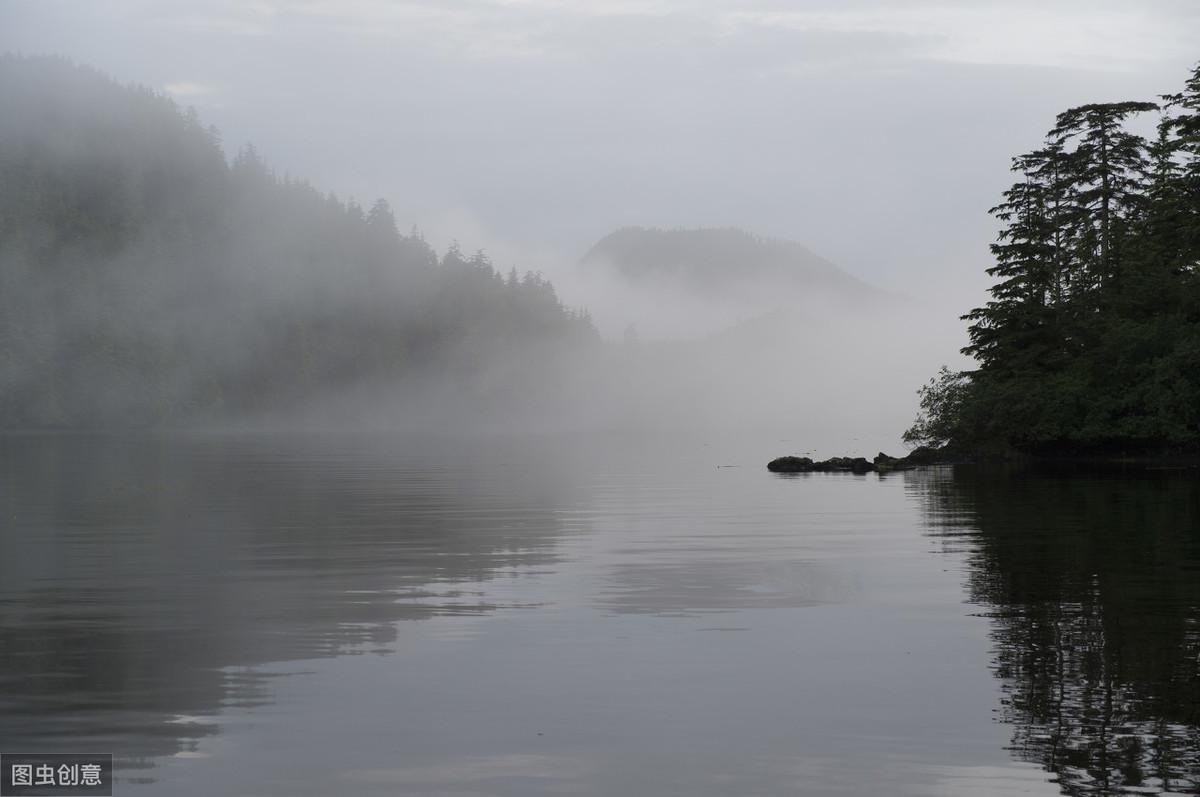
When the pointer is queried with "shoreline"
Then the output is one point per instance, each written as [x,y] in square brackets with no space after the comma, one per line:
[925,457]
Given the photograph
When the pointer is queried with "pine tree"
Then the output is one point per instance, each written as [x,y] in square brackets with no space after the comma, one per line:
[1091,337]
[1110,176]
[381,221]
[1027,266]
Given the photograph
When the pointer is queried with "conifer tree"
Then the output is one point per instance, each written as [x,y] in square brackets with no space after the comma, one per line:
[1091,337]
[1016,317]
[1109,180]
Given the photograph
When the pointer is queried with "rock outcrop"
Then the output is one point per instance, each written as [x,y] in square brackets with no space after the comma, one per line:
[881,463]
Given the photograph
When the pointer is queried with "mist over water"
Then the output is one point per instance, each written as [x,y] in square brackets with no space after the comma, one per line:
[152,280]
[386,391]
[290,614]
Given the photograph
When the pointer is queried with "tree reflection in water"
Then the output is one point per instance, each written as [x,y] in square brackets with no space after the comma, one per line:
[147,583]
[1092,584]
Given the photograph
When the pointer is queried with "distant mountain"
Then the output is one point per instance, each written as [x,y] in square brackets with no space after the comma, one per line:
[726,263]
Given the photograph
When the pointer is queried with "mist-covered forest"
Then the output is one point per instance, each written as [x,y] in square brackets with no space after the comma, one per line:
[150,278]
[1091,340]
[147,278]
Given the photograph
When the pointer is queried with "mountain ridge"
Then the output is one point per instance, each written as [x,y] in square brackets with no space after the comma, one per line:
[705,259]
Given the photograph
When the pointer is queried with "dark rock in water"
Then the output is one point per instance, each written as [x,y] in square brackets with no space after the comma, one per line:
[833,465]
[861,465]
[885,462]
[924,456]
[851,464]
[791,465]
[882,463]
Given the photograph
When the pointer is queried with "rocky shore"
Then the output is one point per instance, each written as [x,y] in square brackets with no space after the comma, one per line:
[882,463]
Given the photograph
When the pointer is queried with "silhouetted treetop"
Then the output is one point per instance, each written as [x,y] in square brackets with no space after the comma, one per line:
[1091,339]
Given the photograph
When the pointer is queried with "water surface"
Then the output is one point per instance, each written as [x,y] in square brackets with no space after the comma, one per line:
[264,615]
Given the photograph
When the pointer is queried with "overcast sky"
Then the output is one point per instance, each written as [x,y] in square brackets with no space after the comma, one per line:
[878,133]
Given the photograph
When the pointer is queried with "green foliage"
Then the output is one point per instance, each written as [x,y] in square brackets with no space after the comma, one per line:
[941,409]
[1089,341]
[145,279]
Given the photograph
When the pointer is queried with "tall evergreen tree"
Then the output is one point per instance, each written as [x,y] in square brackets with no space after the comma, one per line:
[1109,181]
[1091,337]
[1031,268]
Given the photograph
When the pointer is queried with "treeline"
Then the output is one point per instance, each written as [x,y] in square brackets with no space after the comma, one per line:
[144,278]
[1091,339]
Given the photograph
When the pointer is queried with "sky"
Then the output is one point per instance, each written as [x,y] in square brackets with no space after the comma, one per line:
[876,133]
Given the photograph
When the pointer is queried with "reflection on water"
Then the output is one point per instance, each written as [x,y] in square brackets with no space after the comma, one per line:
[325,616]
[1092,585]
[700,587]
[144,580]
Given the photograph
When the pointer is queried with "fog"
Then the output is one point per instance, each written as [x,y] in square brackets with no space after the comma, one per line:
[866,139]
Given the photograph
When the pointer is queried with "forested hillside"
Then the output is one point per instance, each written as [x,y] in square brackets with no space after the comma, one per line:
[1091,340]
[146,279]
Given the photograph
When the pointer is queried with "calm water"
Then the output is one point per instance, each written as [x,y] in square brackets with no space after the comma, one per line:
[262,616]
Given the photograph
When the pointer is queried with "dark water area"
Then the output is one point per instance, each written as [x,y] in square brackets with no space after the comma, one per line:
[263,615]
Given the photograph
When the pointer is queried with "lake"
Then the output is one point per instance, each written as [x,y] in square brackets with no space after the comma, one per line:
[319,615]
